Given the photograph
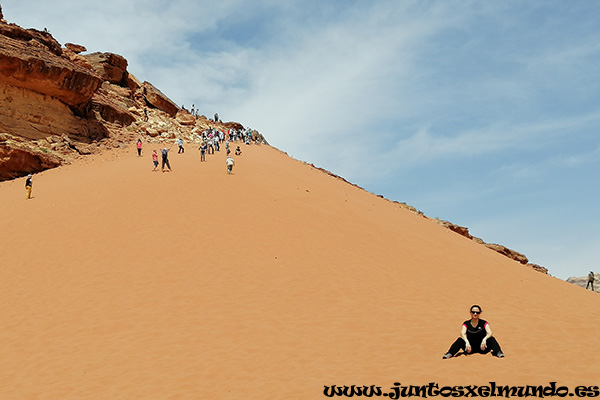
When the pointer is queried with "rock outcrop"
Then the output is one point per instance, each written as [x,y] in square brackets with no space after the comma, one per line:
[505,251]
[157,99]
[33,65]
[58,103]
[20,157]
[111,67]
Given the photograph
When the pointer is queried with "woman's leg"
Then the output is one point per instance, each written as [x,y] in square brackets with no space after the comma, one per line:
[493,346]
[459,344]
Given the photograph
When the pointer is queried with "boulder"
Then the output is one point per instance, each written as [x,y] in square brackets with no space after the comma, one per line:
[461,230]
[152,132]
[157,99]
[19,158]
[112,104]
[111,67]
[185,118]
[133,83]
[75,48]
[538,268]
[508,252]
[234,125]
[76,58]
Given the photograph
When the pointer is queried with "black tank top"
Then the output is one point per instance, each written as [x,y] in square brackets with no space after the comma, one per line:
[475,334]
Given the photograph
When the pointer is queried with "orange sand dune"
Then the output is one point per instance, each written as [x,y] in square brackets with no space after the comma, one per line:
[121,283]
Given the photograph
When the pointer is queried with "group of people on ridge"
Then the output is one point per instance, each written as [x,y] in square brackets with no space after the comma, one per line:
[209,143]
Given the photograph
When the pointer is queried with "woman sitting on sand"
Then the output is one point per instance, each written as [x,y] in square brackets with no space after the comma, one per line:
[475,337]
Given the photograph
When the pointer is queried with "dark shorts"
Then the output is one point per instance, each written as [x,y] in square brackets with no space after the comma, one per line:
[155,163]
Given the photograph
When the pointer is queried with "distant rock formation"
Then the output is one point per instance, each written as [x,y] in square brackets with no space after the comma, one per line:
[58,103]
[505,251]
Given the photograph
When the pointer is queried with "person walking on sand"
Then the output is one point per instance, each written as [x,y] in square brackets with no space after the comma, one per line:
[202,149]
[180,144]
[165,159]
[475,337]
[28,185]
[154,159]
[590,281]
[230,163]
[139,147]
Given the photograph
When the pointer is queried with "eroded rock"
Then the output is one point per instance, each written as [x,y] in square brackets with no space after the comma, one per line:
[157,99]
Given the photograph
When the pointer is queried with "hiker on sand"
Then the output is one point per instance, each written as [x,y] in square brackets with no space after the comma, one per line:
[28,185]
[154,159]
[230,163]
[180,144]
[139,147]
[590,280]
[238,151]
[202,149]
[165,159]
[475,337]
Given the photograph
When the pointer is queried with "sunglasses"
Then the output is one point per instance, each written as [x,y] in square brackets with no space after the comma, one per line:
[475,312]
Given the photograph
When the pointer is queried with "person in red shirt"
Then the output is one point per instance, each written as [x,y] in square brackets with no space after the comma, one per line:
[155,159]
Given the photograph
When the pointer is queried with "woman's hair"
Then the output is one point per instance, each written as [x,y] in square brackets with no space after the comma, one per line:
[475,305]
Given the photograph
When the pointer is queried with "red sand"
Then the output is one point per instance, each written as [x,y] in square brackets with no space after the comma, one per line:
[121,283]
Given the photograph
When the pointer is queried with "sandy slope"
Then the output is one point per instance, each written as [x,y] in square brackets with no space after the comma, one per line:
[120,283]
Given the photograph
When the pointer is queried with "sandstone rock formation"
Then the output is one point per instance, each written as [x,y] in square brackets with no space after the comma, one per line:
[75,48]
[111,67]
[505,251]
[184,117]
[58,103]
[19,157]
[157,99]
[35,66]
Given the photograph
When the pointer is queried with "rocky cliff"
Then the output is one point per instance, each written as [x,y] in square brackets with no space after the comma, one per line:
[57,103]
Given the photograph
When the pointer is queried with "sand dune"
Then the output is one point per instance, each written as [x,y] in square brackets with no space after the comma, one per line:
[121,283]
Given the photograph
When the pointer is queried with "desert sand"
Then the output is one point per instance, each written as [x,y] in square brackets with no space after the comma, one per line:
[122,283]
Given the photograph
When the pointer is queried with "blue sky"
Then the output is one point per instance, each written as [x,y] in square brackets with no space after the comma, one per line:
[485,114]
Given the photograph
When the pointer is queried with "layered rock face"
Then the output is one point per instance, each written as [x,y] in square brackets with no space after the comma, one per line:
[112,67]
[50,94]
[57,103]
[33,115]
[157,99]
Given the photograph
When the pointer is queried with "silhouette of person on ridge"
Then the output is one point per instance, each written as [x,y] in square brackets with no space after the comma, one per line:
[590,281]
